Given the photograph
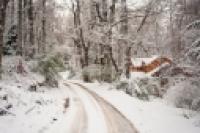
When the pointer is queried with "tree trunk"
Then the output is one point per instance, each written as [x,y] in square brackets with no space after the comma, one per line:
[12,11]
[124,17]
[24,48]
[31,30]
[19,28]
[86,56]
[112,11]
[124,32]
[113,60]
[112,19]
[3,5]
[104,10]
[128,62]
[1,33]
[78,42]
[44,26]
[93,14]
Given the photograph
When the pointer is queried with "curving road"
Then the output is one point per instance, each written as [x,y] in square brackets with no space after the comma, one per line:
[95,115]
[79,123]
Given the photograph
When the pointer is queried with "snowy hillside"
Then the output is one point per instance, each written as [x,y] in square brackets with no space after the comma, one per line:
[24,110]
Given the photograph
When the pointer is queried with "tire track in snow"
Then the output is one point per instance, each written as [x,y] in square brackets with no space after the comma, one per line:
[79,123]
[95,115]
[115,121]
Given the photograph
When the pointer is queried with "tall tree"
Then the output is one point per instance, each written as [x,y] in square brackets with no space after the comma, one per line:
[19,28]
[77,44]
[124,32]
[25,27]
[112,11]
[12,11]
[44,26]
[105,10]
[31,29]
[124,17]
[3,5]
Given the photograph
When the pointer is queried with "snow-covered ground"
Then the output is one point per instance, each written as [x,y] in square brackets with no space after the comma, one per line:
[156,116]
[25,111]
[33,112]
[43,111]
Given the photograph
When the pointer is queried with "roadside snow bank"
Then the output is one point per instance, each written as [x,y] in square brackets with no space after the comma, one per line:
[155,116]
[185,94]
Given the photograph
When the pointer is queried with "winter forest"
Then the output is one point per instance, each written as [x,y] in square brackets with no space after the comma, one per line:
[99,66]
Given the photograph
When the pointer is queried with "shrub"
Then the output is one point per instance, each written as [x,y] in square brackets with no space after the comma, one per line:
[99,73]
[132,88]
[49,67]
[91,73]
[142,88]
[106,74]
[122,85]
[196,104]
[71,72]
[185,95]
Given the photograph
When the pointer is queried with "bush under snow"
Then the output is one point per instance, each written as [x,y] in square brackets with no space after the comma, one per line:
[143,88]
[185,95]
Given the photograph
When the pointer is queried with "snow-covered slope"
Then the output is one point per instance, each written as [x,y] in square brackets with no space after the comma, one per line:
[25,111]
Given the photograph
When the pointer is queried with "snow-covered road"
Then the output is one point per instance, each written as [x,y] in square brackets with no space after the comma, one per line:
[95,115]
[79,122]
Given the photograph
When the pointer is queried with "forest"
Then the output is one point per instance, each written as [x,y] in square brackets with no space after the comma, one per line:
[104,64]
